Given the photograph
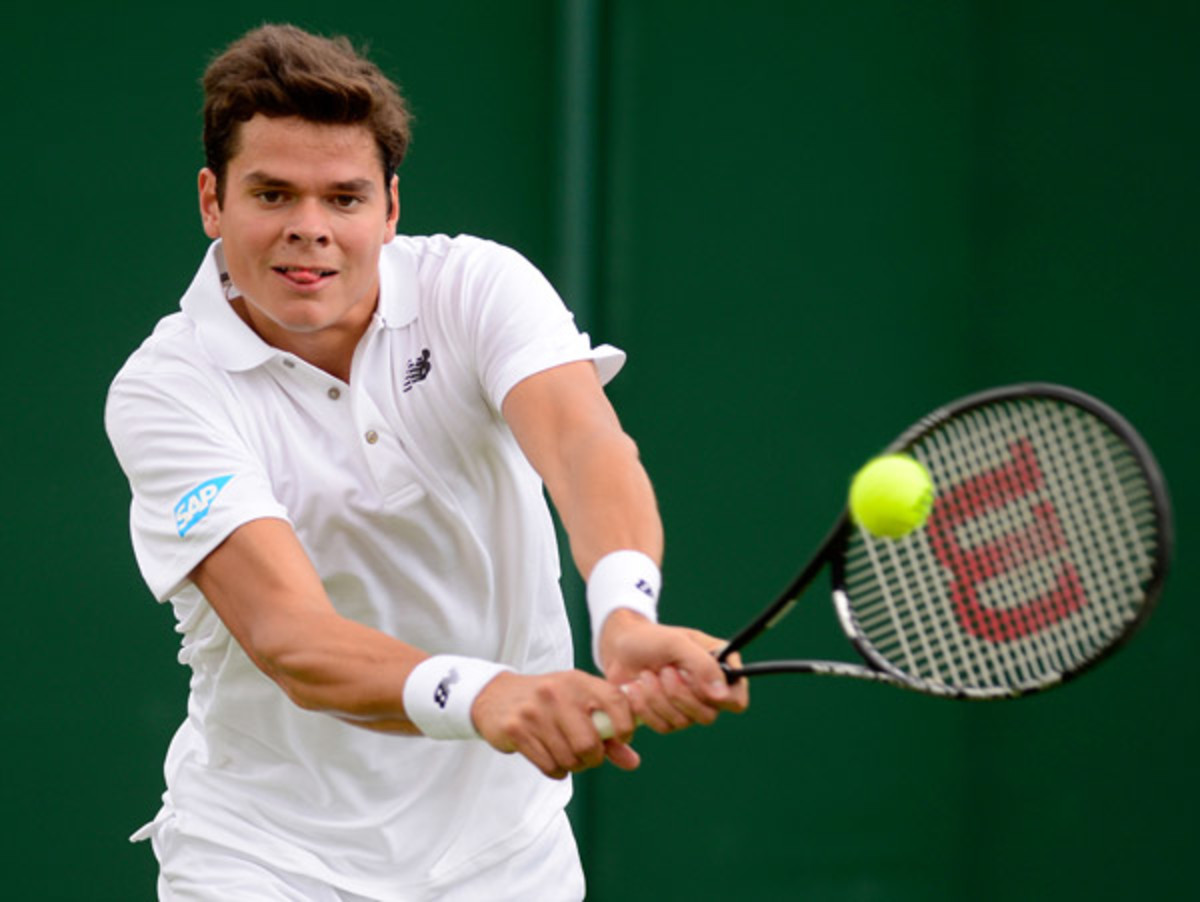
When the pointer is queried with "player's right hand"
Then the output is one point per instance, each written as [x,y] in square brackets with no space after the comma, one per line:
[548,719]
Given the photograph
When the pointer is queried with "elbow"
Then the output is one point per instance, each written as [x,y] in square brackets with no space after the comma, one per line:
[327,677]
[292,668]
[300,692]
[309,689]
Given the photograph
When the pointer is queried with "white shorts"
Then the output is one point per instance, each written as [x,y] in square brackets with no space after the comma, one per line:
[196,870]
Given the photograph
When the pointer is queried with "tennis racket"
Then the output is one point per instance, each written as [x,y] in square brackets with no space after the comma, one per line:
[1045,550]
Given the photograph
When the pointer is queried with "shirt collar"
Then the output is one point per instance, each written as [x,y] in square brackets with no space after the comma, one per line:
[399,289]
[236,347]
[230,343]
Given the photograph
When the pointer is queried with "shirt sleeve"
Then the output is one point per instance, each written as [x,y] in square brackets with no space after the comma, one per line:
[518,324]
[193,477]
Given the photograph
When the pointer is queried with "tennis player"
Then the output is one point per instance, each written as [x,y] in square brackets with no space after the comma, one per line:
[337,450]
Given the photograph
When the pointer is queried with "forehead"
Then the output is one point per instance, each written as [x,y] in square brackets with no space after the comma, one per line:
[291,147]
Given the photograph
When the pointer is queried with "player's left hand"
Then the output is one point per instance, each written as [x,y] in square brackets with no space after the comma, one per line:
[668,673]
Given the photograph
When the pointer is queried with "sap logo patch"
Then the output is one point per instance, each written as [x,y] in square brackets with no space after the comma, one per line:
[195,505]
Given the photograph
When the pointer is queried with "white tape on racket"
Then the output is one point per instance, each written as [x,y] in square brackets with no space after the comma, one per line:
[603,724]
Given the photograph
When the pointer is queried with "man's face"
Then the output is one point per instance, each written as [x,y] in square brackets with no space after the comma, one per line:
[304,216]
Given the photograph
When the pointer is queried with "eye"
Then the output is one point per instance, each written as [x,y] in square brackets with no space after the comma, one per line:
[346,201]
[271,196]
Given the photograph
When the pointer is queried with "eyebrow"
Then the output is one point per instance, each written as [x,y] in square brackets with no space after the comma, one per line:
[352,186]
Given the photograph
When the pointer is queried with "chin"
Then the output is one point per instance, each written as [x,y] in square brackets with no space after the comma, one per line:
[303,325]
[303,314]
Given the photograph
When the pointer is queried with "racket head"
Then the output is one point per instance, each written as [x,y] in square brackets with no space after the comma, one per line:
[1046,549]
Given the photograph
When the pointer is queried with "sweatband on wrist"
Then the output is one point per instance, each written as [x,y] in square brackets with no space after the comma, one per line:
[621,579]
[439,692]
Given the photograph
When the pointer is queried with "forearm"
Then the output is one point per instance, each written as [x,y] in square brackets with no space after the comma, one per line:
[606,501]
[324,662]
[361,676]
[266,592]
[610,514]
[591,468]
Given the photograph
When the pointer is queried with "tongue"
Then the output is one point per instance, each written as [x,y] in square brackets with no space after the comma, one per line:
[303,276]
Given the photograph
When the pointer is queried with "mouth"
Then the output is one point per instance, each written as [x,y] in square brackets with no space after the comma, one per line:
[305,276]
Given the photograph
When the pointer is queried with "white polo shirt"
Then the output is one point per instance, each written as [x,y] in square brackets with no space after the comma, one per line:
[423,519]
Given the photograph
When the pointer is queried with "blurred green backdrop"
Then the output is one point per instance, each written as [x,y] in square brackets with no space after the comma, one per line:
[808,223]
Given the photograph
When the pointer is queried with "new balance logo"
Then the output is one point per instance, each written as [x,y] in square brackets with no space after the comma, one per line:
[417,370]
[441,695]
[645,588]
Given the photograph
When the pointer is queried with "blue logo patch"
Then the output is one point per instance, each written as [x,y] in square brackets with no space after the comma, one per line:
[194,506]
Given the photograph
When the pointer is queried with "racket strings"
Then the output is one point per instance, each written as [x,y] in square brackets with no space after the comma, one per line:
[1036,557]
[971,665]
[1096,530]
[1041,656]
[956,662]
[1113,526]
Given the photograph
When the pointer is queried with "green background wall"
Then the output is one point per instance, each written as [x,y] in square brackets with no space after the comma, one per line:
[809,223]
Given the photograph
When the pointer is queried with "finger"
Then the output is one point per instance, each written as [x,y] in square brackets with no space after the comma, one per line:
[543,741]
[618,716]
[739,689]
[582,744]
[707,678]
[646,716]
[622,754]
[540,756]
[680,688]
[654,706]
[586,746]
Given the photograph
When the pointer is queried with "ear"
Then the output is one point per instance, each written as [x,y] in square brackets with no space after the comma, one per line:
[389,228]
[210,208]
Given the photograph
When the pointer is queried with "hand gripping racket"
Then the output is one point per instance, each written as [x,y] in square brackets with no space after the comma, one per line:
[1046,548]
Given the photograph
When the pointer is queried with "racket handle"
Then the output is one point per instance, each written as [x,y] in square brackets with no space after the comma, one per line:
[603,724]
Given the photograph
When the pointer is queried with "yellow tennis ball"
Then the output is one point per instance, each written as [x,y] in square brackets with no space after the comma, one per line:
[891,496]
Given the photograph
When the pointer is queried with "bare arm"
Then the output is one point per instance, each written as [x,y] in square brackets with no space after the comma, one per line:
[263,586]
[570,433]
[266,591]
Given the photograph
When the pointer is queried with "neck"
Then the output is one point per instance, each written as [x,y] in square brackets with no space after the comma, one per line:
[333,355]
[330,349]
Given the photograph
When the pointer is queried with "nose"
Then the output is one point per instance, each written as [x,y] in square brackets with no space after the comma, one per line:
[308,225]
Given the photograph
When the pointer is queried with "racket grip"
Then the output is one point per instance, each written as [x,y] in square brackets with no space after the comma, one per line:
[603,724]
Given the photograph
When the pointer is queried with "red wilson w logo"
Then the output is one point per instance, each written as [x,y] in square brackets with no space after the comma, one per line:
[972,567]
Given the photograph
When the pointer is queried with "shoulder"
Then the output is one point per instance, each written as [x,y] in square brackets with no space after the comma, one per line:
[439,259]
[464,284]
[168,371]
[172,349]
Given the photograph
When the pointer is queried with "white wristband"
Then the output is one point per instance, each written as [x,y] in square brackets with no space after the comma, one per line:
[621,579]
[439,692]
